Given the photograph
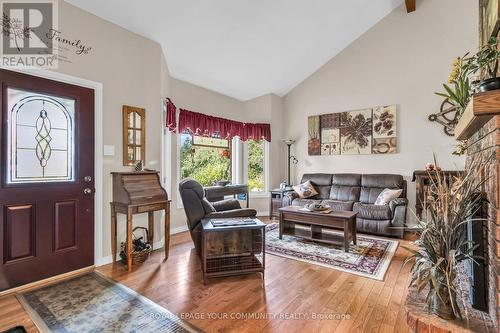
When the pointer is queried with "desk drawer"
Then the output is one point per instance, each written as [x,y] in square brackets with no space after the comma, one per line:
[150,208]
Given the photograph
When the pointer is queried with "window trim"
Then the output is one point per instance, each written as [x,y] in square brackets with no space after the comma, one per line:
[265,192]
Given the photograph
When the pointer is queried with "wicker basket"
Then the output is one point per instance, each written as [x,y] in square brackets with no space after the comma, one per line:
[138,257]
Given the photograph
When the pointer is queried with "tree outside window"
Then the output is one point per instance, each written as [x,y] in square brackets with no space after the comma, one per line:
[205,159]
[256,181]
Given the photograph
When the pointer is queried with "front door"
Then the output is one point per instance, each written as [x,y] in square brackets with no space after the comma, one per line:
[47,178]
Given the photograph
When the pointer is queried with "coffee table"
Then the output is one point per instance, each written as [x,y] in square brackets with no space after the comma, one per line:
[316,221]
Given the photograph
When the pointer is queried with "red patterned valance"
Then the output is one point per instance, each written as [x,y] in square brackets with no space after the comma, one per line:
[202,124]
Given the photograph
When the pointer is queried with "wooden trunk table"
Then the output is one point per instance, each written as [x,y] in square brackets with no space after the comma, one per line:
[317,221]
[233,250]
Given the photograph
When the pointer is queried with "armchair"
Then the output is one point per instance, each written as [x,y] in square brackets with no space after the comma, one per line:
[197,207]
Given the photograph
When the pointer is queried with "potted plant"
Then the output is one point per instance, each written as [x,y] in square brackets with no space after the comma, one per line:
[486,60]
[459,89]
[448,205]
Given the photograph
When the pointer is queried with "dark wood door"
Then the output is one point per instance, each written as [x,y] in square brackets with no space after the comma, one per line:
[47,178]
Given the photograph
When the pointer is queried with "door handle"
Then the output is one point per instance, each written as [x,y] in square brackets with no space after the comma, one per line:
[88,190]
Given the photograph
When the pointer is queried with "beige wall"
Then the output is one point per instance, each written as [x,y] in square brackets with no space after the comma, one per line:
[132,71]
[402,60]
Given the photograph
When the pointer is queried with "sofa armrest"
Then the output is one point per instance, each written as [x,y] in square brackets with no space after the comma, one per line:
[223,205]
[288,197]
[244,212]
[398,223]
[397,202]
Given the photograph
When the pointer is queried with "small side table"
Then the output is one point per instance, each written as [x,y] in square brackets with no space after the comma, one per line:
[129,211]
[233,250]
[276,202]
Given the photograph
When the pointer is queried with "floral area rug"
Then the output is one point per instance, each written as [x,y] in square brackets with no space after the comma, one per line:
[369,258]
[93,303]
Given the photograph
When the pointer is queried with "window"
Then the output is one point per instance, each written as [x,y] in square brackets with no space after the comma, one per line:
[256,163]
[205,159]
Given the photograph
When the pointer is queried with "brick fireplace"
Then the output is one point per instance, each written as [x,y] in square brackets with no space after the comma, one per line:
[486,141]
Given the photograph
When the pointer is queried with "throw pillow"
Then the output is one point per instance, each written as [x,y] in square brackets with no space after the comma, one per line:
[305,190]
[386,196]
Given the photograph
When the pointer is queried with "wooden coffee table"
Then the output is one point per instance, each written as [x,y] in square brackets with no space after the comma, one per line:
[317,221]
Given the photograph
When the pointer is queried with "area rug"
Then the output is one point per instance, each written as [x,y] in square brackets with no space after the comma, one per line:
[369,258]
[93,303]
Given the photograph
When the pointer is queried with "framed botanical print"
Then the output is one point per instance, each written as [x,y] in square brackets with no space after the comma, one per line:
[134,135]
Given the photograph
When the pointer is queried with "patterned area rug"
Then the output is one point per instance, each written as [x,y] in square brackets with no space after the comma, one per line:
[369,258]
[92,303]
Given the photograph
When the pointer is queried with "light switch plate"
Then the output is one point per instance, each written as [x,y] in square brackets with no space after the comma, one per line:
[109,150]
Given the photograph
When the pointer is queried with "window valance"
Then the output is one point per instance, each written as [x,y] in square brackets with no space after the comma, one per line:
[202,124]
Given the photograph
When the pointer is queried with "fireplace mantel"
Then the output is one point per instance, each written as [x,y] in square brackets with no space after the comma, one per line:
[481,108]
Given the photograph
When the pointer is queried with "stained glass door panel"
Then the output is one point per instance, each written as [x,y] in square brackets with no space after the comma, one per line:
[41,140]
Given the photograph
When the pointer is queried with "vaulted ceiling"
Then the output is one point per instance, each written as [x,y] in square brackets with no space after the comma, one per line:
[245,48]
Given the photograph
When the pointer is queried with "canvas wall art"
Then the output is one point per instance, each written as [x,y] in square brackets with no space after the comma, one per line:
[365,131]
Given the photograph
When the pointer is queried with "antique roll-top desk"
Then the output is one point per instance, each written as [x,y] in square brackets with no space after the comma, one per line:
[137,193]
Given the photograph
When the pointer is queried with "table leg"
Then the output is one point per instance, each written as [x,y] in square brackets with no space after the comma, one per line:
[151,228]
[113,232]
[263,253]
[203,259]
[281,225]
[129,240]
[346,237]
[167,231]
[353,228]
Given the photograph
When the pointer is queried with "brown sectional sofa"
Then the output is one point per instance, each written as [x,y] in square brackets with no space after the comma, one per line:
[358,192]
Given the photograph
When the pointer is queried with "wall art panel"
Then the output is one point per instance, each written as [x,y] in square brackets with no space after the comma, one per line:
[364,131]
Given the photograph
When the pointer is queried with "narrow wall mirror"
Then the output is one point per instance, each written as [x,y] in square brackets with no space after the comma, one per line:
[134,135]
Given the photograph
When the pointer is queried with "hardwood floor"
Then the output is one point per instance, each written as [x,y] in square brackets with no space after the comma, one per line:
[314,296]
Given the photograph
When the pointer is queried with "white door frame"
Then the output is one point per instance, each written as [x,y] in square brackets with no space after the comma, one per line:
[98,145]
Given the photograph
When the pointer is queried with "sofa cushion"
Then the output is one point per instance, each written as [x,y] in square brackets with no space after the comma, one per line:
[377,227]
[382,180]
[344,193]
[372,212]
[345,187]
[339,205]
[320,179]
[303,202]
[346,179]
[372,185]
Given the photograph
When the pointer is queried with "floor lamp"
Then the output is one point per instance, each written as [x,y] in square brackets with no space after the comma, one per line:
[290,159]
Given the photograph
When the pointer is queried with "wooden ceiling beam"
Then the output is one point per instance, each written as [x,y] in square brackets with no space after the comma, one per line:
[410,5]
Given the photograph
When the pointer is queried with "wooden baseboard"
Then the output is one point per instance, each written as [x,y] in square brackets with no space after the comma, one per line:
[47,281]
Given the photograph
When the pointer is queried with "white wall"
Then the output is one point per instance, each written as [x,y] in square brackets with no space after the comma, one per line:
[401,60]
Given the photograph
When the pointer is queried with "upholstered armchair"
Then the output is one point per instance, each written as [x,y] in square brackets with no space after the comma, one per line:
[197,207]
